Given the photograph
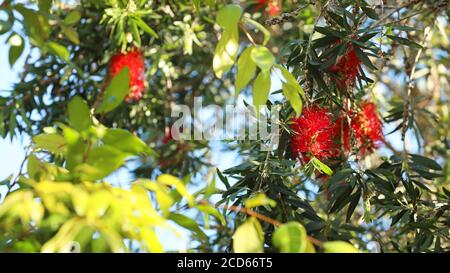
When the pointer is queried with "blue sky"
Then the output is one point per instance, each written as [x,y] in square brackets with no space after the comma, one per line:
[11,153]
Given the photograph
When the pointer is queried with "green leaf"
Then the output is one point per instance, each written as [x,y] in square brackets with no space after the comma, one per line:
[126,142]
[371,13]
[196,5]
[170,180]
[188,223]
[263,58]
[34,166]
[208,209]
[290,79]
[246,69]
[116,91]
[36,25]
[259,199]
[79,114]
[291,94]
[53,143]
[249,237]
[290,238]
[425,161]
[59,50]
[363,57]
[45,5]
[226,52]
[321,166]
[104,160]
[15,51]
[329,32]
[309,247]
[72,18]
[71,34]
[339,247]
[261,89]
[404,41]
[142,25]
[229,16]
[162,192]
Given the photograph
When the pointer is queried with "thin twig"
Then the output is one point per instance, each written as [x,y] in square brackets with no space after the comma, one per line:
[287,16]
[411,82]
[266,219]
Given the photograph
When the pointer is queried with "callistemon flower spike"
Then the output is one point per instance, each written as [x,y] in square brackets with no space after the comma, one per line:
[346,68]
[367,128]
[136,64]
[315,134]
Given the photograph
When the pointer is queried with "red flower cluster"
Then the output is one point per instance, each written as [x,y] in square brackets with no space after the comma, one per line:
[367,128]
[346,68]
[318,135]
[135,62]
[314,135]
[273,7]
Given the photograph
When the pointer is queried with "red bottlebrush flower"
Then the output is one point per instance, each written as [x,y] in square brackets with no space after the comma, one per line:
[346,67]
[367,128]
[135,62]
[315,134]
[273,7]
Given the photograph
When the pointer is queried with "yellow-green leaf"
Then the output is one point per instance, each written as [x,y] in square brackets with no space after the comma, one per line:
[126,142]
[59,50]
[263,58]
[246,68]
[249,237]
[293,97]
[79,114]
[71,34]
[321,166]
[259,199]
[290,238]
[339,247]
[116,91]
[261,89]
[226,52]
[228,17]
[53,143]
[72,18]
[170,180]
[291,80]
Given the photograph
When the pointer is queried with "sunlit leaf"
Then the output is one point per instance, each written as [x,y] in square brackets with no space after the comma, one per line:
[116,91]
[226,52]
[259,199]
[72,18]
[261,89]
[126,142]
[246,68]
[339,247]
[170,180]
[263,58]
[79,114]
[290,238]
[229,16]
[53,143]
[249,237]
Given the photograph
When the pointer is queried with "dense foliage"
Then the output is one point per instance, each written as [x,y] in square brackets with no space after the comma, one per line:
[362,159]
